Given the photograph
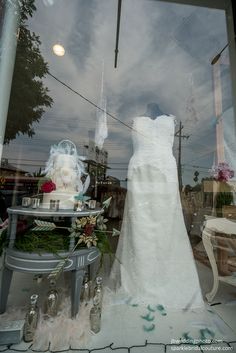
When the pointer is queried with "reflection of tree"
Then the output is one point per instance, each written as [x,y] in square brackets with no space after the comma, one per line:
[29,96]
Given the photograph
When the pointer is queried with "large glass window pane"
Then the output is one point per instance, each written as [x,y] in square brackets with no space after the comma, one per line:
[156,133]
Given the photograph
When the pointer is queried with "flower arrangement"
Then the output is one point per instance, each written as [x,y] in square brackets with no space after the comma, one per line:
[222,172]
[87,231]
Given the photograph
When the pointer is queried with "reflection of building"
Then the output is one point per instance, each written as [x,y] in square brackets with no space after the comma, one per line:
[96,155]
[8,170]
[14,183]
[96,160]
[109,180]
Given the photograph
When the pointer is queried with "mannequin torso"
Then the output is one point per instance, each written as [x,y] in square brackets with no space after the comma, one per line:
[153,110]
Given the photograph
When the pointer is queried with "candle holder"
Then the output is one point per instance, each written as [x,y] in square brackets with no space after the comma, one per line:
[54,205]
[26,202]
[35,202]
[92,204]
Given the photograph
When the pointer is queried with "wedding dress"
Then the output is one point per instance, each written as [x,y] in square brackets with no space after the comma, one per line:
[155,261]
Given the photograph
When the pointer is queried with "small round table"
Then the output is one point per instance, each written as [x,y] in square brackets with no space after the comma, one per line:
[15,260]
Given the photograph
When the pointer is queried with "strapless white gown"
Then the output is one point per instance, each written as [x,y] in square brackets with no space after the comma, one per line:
[156,264]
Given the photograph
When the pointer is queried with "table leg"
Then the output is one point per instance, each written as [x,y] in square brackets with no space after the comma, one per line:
[206,239]
[5,287]
[93,269]
[76,286]
[12,229]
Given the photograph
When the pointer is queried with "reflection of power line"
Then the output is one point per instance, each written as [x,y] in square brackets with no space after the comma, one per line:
[42,160]
[33,163]
[89,101]
[117,32]
[123,164]
[42,164]
[195,166]
[203,155]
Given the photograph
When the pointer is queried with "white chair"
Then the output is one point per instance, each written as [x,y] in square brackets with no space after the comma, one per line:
[222,233]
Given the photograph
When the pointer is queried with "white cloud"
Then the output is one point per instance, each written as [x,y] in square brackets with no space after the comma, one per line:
[156,60]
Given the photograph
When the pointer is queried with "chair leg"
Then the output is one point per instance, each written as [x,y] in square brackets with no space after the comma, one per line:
[5,287]
[209,250]
[222,258]
[76,285]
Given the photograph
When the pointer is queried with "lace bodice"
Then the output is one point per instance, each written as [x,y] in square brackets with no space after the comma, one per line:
[152,141]
[153,135]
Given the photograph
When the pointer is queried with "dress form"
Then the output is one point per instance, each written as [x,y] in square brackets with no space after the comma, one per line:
[153,110]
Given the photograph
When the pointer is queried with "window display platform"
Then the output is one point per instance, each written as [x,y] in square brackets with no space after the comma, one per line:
[122,327]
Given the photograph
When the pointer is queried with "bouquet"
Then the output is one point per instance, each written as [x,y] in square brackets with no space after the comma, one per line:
[222,172]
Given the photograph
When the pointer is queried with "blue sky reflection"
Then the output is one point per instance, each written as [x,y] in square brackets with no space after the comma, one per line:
[164,56]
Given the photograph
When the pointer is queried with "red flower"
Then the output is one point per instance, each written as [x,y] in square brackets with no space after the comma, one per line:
[88,229]
[48,186]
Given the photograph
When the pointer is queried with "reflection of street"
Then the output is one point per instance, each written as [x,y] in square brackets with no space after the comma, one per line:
[16,187]
[197,207]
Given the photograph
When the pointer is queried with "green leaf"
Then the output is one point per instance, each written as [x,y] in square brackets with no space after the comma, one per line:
[73,235]
[161,309]
[150,309]
[107,202]
[148,317]
[115,232]
[187,337]
[81,197]
[58,269]
[43,225]
[149,328]
[206,332]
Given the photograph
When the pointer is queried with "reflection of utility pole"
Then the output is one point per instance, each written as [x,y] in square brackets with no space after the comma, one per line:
[218,112]
[117,31]
[180,136]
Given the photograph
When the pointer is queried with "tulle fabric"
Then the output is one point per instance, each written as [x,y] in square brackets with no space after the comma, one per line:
[60,332]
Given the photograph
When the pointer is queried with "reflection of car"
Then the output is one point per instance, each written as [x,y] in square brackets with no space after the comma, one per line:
[14,188]
[3,207]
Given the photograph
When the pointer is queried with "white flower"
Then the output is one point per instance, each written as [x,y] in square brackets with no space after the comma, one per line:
[88,240]
[101,222]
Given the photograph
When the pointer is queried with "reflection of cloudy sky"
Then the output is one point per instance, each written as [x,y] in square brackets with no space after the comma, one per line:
[164,57]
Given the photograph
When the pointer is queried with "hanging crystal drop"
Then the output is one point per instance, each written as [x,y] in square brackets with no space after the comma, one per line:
[86,290]
[31,319]
[98,291]
[95,316]
[52,300]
